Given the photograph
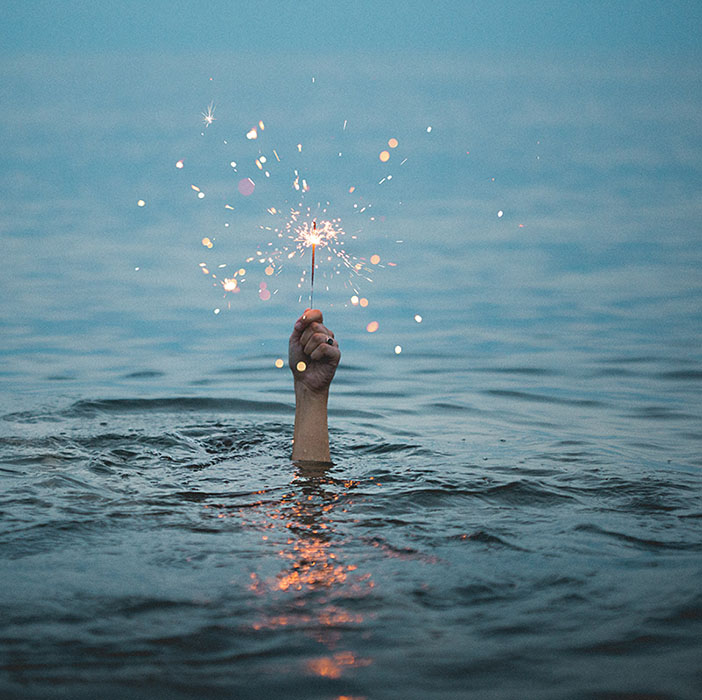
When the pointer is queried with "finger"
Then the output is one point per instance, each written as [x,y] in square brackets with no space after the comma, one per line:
[330,352]
[312,329]
[299,328]
[314,340]
[311,316]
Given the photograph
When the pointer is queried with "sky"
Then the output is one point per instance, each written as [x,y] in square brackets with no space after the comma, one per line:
[304,26]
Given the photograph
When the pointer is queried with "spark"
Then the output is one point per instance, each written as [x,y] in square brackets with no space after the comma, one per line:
[208,116]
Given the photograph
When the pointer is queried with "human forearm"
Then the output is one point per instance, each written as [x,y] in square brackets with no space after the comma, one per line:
[313,355]
[311,437]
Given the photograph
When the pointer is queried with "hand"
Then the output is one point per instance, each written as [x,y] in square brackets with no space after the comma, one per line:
[309,344]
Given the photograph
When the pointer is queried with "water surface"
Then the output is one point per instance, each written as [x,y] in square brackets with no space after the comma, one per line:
[514,508]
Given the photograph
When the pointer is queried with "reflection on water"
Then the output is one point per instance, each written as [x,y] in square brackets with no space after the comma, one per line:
[317,577]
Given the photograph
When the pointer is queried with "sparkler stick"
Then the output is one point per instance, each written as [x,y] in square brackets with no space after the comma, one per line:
[314,245]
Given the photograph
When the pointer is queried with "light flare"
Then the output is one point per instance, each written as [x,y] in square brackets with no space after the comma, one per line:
[208,115]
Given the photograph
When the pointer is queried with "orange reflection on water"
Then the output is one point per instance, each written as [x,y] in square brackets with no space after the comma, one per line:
[333,666]
[307,595]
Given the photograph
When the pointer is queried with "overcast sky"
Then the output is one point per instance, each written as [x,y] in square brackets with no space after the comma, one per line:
[512,26]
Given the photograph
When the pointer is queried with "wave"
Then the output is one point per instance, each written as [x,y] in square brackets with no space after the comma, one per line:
[542,398]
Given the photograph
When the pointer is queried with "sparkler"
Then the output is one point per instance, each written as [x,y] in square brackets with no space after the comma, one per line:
[303,227]
[314,247]
[307,236]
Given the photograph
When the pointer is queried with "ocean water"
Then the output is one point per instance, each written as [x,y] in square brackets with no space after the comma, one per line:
[514,506]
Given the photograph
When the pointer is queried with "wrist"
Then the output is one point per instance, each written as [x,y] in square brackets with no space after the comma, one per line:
[304,394]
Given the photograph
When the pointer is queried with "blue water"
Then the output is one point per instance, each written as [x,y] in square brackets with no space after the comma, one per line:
[514,506]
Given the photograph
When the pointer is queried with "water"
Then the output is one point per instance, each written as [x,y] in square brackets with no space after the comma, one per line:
[514,508]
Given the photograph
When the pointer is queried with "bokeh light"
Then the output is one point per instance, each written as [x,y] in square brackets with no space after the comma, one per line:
[246,186]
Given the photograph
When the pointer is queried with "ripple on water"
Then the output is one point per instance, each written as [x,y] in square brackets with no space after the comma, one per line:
[195,526]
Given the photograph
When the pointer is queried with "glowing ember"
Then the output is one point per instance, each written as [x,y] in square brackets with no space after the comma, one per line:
[279,363]
[417,318]
[393,143]
[375,259]
[230,284]
[500,214]
[301,366]
[252,134]
[207,242]
[384,156]
[398,349]
[372,327]
[354,300]
[141,203]
[363,302]
[179,164]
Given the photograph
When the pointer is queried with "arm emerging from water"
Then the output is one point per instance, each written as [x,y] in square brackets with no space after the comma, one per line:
[313,355]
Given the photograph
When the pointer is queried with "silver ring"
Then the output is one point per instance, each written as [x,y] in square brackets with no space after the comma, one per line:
[330,341]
